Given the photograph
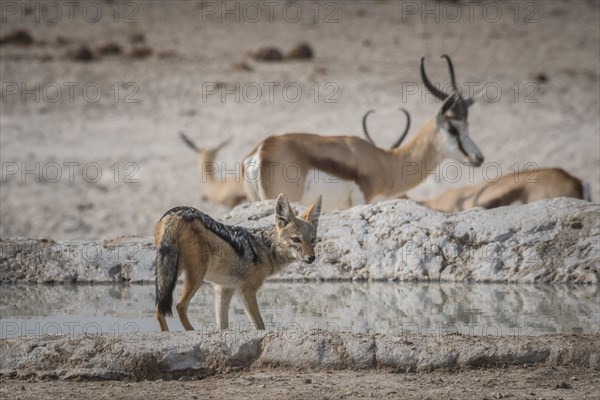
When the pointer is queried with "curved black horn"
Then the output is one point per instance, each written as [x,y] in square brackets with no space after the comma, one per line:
[401,139]
[365,131]
[188,142]
[435,91]
[451,70]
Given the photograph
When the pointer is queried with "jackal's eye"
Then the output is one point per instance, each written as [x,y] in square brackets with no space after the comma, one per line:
[313,240]
[296,240]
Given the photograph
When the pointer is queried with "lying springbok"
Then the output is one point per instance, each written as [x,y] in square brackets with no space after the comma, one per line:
[348,170]
[219,191]
[523,187]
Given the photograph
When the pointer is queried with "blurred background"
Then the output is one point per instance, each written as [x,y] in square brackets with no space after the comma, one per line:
[95,93]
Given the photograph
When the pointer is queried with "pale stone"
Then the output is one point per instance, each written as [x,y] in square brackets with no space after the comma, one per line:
[547,241]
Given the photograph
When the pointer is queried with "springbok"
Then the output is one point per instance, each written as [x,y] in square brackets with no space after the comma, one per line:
[523,187]
[219,191]
[227,191]
[349,170]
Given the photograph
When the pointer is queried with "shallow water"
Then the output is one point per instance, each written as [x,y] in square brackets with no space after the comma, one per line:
[432,308]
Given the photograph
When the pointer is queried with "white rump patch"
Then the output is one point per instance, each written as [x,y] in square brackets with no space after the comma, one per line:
[252,176]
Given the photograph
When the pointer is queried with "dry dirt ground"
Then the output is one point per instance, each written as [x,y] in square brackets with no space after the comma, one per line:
[512,383]
[107,161]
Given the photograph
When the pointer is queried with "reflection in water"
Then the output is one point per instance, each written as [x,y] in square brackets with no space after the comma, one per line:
[433,308]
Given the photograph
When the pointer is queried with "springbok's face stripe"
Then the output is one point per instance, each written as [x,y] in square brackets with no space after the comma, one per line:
[454,132]
[464,145]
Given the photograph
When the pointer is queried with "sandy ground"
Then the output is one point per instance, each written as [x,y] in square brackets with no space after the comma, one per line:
[515,383]
[105,166]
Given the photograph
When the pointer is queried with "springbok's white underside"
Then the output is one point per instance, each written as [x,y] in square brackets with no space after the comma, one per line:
[337,194]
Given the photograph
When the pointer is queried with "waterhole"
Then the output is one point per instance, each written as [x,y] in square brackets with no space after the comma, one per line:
[390,308]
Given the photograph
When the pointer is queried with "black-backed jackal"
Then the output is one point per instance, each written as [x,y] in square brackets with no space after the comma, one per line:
[232,258]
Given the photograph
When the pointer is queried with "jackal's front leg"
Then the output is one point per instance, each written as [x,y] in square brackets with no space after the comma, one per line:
[249,297]
[222,301]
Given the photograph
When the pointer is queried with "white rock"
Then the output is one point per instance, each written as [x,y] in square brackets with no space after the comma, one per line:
[548,241]
[170,355]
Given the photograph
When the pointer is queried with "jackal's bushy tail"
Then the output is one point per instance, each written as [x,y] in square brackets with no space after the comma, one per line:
[167,262]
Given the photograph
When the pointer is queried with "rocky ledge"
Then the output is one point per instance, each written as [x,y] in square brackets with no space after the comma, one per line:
[548,241]
[173,355]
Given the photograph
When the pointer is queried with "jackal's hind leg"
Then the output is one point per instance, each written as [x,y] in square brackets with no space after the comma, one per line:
[249,297]
[190,287]
[222,301]
[162,321]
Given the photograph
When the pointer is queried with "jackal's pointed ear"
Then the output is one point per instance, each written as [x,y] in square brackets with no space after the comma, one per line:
[283,211]
[312,213]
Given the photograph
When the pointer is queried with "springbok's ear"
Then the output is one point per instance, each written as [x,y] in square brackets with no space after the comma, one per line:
[284,213]
[312,213]
[440,116]
[471,100]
